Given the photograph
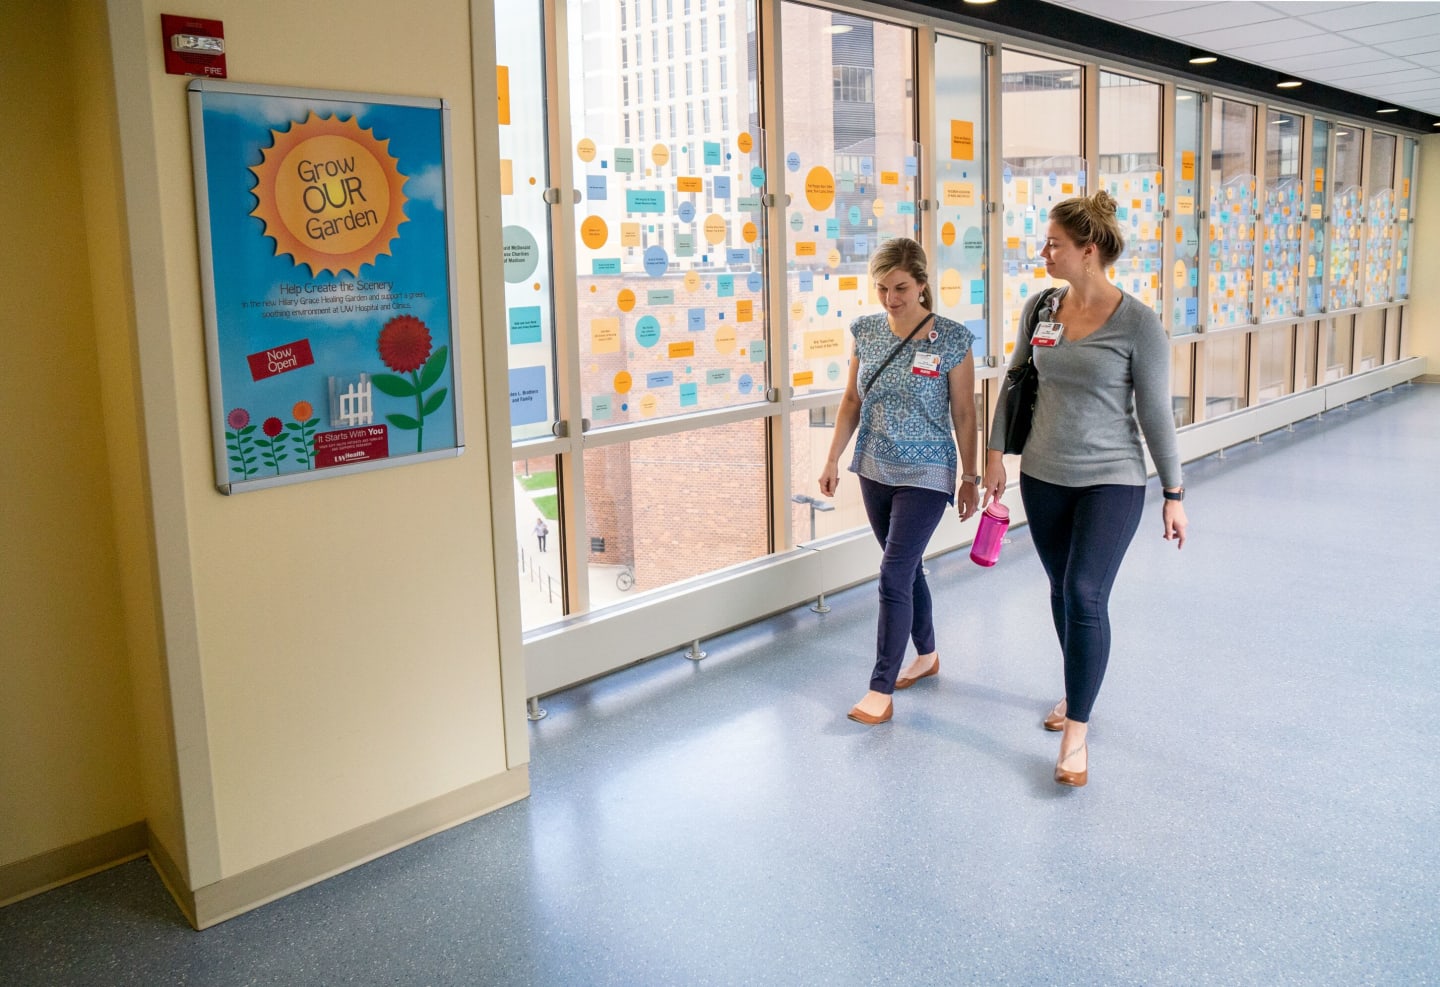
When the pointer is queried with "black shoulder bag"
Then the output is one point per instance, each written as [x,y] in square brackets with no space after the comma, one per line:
[898,346]
[1024,388]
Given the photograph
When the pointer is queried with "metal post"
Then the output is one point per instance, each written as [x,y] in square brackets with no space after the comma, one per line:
[533,710]
[820,606]
[695,653]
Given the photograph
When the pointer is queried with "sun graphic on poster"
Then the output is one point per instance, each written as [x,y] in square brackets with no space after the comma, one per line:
[330,194]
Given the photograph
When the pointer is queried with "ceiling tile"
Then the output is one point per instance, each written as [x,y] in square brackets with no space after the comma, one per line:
[1396,30]
[1359,15]
[1283,29]
[1124,11]
[1206,17]
[1428,45]
[1325,65]
[1300,9]
[1299,48]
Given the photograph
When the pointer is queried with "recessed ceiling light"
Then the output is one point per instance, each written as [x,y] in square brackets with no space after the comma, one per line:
[1203,60]
[1388,109]
[978,3]
[1289,84]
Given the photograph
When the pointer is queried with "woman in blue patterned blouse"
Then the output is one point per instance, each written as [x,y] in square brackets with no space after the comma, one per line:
[912,379]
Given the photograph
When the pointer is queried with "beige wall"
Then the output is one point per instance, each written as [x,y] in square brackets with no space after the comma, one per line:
[1423,332]
[68,761]
[259,677]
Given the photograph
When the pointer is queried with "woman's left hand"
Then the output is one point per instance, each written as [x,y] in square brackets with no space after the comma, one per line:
[1175,522]
[967,499]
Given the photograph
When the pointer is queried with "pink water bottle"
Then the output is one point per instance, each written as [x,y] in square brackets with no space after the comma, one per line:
[994,521]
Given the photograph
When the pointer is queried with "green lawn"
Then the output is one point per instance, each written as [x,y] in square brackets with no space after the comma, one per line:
[548,505]
[543,480]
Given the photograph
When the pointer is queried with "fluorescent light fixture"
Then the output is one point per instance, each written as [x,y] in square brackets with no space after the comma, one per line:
[978,3]
[1203,59]
[1388,109]
[1289,84]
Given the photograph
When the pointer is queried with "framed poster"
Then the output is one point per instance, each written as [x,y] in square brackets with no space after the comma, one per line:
[327,255]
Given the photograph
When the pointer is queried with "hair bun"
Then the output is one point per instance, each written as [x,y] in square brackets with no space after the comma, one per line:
[1103,204]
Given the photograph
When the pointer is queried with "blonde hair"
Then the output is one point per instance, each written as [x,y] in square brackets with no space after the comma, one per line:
[1091,219]
[903,254]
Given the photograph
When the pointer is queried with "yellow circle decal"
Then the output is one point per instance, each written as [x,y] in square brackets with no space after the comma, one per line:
[626,299]
[950,286]
[1181,274]
[819,188]
[744,143]
[947,234]
[622,383]
[725,339]
[330,194]
[878,208]
[797,311]
[660,154]
[833,258]
[692,281]
[585,150]
[594,232]
[715,228]
[648,404]
[749,232]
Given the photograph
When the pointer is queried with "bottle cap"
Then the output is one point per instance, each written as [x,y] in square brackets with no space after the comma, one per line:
[998,510]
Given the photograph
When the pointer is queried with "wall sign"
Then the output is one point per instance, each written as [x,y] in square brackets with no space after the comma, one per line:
[328,268]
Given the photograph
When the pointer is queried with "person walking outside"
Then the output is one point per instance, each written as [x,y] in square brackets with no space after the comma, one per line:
[1104,362]
[541,530]
[912,379]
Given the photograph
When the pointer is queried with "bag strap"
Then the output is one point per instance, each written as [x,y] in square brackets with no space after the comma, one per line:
[1035,313]
[898,346]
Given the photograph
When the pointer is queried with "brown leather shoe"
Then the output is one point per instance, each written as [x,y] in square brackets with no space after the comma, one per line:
[1055,720]
[906,681]
[860,716]
[1075,779]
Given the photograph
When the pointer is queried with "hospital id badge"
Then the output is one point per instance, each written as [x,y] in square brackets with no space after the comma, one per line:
[1047,333]
[926,365]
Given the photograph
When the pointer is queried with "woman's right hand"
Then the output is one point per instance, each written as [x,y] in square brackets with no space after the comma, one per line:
[830,479]
[992,486]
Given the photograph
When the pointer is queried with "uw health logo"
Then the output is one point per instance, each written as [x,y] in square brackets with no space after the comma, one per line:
[330,194]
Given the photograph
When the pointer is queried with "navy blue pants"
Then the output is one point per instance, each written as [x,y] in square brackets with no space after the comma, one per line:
[1081,535]
[903,519]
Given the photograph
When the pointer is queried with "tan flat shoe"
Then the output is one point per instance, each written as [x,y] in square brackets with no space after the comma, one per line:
[906,681]
[1054,720]
[1074,779]
[860,716]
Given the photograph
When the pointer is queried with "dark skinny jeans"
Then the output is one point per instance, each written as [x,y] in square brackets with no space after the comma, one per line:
[1081,535]
[903,519]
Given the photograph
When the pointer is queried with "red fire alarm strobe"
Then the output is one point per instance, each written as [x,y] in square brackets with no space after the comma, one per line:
[193,46]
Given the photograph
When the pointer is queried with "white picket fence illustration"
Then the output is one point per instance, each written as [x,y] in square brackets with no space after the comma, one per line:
[353,405]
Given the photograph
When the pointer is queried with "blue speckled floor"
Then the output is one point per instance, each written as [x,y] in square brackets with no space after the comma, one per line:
[1261,807]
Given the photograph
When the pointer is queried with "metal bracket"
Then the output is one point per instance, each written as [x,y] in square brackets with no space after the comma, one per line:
[992,361]
[584,425]
[533,710]
[924,205]
[768,199]
[551,195]
[696,652]
[772,395]
[560,429]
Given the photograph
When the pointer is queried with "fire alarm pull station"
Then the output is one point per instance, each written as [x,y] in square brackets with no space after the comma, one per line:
[193,46]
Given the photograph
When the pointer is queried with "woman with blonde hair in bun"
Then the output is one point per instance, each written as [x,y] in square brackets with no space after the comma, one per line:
[1104,363]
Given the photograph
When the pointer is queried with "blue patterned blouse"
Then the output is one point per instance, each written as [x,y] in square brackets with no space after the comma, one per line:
[906,437]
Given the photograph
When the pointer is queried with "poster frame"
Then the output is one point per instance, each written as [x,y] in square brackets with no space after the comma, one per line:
[196,93]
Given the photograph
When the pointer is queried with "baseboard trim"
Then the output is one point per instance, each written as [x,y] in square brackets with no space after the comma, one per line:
[1428,379]
[45,871]
[232,896]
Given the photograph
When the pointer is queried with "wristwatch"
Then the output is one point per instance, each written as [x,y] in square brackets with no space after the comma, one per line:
[971,478]
[1174,494]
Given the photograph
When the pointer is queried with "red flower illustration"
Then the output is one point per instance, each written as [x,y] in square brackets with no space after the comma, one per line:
[273,427]
[404,344]
[238,419]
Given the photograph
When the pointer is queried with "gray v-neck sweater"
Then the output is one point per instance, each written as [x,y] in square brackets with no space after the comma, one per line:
[1091,395]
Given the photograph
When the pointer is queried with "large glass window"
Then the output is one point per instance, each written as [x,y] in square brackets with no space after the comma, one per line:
[1185,278]
[1274,373]
[1130,171]
[1040,103]
[538,538]
[1347,218]
[524,176]
[1182,383]
[1380,222]
[1338,338]
[1227,373]
[1231,291]
[1317,216]
[851,175]
[1281,219]
[1404,215]
[959,186]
